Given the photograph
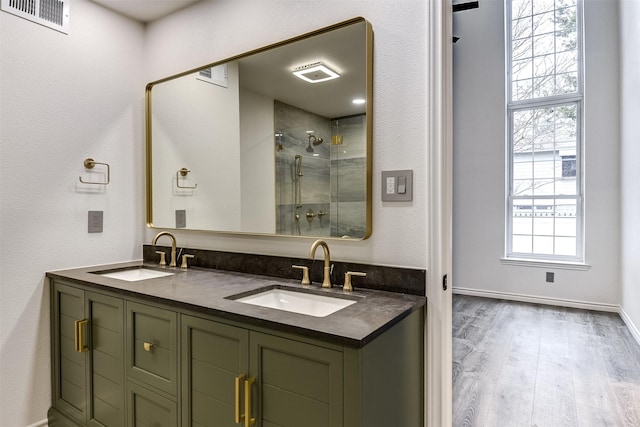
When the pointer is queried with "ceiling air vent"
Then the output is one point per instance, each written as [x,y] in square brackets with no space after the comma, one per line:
[50,13]
[215,75]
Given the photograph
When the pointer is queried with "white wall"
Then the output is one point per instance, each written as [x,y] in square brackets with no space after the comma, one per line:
[257,163]
[630,153]
[479,163]
[210,31]
[186,134]
[62,98]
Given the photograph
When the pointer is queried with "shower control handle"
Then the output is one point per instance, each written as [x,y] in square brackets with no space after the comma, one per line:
[310,215]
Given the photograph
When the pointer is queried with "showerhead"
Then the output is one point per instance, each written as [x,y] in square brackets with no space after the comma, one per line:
[315,141]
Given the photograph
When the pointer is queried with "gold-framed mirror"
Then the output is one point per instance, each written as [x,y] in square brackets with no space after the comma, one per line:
[275,141]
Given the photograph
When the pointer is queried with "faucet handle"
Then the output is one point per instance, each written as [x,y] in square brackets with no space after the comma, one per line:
[305,274]
[347,279]
[163,260]
[184,260]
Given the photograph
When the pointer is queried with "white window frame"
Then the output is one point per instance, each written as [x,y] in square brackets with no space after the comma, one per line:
[576,98]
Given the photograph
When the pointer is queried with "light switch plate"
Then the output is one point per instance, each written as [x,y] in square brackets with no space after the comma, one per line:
[397,186]
[95,221]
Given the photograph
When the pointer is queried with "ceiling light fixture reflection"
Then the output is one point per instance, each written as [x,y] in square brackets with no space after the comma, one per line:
[315,73]
[359,101]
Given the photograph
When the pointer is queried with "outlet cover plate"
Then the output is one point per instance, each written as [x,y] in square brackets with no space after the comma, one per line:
[95,221]
[181,218]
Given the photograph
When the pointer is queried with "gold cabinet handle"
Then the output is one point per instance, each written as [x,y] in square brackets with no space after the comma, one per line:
[76,336]
[239,417]
[148,346]
[248,421]
[79,333]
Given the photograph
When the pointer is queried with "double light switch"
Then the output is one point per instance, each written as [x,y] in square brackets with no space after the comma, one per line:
[397,186]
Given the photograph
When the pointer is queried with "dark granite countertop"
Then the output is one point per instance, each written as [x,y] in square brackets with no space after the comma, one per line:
[208,291]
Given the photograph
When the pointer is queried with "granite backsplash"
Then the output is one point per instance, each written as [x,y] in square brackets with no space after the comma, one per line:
[392,279]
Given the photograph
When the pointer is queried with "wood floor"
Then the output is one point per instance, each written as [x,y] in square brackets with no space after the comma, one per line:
[519,364]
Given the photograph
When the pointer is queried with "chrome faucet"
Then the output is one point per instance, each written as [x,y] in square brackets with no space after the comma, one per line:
[326,282]
[173,245]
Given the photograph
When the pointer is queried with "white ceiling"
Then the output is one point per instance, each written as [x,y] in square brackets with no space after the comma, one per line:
[343,50]
[145,10]
[269,73]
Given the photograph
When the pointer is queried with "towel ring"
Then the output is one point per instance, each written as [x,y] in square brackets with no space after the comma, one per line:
[183,172]
[89,163]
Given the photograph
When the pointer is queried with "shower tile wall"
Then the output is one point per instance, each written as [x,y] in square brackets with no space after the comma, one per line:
[348,197]
[334,176]
[291,125]
[348,178]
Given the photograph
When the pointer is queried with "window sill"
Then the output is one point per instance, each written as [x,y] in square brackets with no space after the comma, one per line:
[564,265]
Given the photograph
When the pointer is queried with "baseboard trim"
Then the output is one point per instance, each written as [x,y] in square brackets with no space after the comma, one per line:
[632,328]
[586,305]
[42,423]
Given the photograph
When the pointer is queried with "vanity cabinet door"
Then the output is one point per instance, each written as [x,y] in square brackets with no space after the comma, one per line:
[296,384]
[213,356]
[69,368]
[106,361]
[88,357]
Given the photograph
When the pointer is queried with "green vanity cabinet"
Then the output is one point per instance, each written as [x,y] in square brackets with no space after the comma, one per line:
[288,380]
[229,373]
[120,360]
[87,358]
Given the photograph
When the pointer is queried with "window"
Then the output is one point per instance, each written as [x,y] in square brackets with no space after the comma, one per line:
[544,138]
[569,166]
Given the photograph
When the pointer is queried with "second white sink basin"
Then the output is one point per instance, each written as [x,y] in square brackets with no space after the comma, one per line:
[297,302]
[135,274]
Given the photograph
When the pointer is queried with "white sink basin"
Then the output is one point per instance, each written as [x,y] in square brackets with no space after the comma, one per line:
[297,302]
[135,274]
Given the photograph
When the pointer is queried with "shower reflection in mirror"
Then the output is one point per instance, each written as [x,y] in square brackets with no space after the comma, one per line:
[297,180]
[320,173]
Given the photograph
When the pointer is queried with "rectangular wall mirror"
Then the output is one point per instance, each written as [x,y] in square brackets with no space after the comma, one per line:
[276,141]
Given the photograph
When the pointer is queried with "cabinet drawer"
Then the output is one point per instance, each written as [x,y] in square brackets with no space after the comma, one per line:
[147,408]
[152,346]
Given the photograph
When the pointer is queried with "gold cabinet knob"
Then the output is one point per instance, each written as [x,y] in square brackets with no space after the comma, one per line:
[148,346]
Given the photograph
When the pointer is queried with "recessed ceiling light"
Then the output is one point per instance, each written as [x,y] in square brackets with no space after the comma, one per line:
[315,73]
[359,101]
